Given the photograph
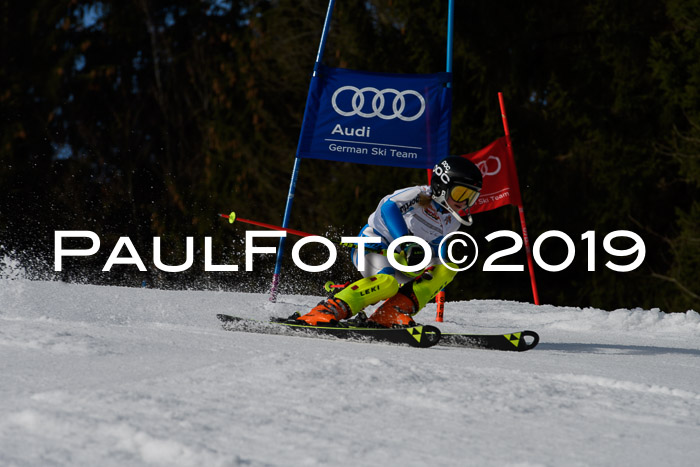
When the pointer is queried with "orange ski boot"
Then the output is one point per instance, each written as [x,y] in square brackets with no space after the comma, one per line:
[326,313]
[395,312]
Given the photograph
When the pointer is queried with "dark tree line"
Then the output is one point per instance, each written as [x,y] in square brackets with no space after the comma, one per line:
[146,118]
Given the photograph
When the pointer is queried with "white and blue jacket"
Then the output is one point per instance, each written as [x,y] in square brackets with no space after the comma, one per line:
[400,214]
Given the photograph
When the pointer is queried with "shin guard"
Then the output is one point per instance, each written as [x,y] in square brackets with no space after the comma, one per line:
[428,285]
[368,291]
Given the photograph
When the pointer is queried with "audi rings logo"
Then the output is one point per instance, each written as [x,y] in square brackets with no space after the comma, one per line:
[489,168]
[398,105]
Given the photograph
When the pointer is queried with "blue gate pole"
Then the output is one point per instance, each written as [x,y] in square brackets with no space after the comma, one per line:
[440,298]
[450,34]
[295,172]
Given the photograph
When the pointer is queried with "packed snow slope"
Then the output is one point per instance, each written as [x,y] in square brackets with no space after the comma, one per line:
[115,376]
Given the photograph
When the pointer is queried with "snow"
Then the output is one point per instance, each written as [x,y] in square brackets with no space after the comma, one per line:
[127,376]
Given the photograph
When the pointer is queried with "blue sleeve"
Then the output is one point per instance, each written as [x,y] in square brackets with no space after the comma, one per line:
[392,217]
[436,243]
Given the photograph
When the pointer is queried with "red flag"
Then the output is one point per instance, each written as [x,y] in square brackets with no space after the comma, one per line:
[500,177]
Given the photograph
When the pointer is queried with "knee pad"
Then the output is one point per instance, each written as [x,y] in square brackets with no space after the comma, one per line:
[368,291]
[425,289]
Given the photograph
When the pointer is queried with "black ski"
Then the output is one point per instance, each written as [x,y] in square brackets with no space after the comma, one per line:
[515,342]
[415,336]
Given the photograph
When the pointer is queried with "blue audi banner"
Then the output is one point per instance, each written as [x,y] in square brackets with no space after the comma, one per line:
[377,118]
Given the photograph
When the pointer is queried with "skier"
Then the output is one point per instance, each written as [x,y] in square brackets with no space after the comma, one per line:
[430,213]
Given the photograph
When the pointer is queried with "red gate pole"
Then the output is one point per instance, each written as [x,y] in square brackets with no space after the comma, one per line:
[521,211]
[440,297]
[440,302]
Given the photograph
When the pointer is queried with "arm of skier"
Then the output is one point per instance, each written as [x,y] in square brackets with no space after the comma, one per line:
[392,217]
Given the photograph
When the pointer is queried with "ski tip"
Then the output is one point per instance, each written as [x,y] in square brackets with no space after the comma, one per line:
[527,344]
[425,335]
[226,318]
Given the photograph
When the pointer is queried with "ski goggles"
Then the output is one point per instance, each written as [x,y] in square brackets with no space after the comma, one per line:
[460,193]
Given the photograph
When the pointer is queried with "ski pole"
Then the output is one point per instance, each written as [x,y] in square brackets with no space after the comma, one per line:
[233,218]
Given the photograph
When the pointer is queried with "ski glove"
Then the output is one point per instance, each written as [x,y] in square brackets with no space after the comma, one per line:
[414,254]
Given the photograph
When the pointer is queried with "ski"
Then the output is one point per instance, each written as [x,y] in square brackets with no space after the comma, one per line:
[513,342]
[422,336]
[417,336]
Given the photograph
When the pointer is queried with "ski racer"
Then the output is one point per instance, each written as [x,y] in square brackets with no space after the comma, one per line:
[430,213]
